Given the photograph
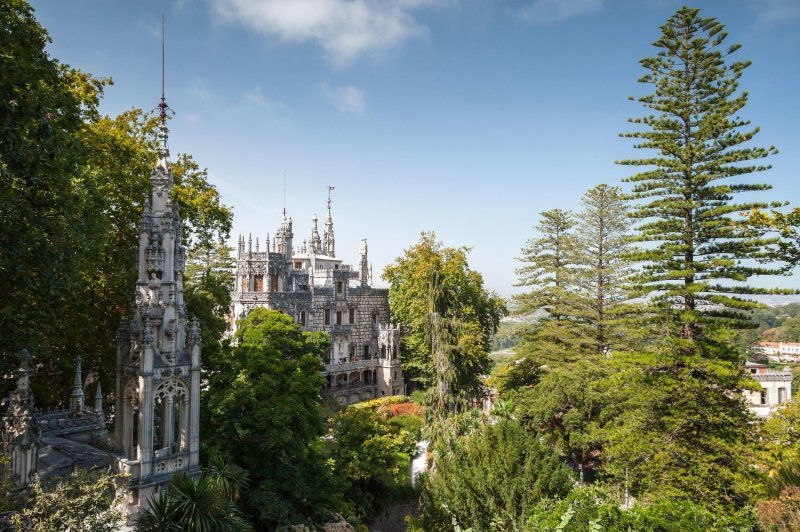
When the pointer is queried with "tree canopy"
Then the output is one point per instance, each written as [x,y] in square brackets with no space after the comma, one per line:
[460,297]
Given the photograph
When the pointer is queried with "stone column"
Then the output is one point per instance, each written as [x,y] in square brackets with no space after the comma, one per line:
[194,405]
[184,435]
[146,406]
[124,427]
[168,423]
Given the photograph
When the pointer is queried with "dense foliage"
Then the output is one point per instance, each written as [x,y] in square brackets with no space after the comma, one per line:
[371,450]
[85,501]
[492,480]
[264,412]
[432,282]
[630,370]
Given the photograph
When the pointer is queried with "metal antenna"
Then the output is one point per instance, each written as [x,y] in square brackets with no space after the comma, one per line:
[162,56]
[164,110]
[330,188]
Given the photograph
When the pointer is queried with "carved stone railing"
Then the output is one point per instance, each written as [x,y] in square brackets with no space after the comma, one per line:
[773,376]
[342,329]
[351,366]
[171,463]
[60,422]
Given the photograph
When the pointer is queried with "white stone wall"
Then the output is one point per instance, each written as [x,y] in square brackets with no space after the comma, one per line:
[777,389]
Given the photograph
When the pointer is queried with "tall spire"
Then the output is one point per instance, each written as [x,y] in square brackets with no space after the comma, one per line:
[315,243]
[328,242]
[164,110]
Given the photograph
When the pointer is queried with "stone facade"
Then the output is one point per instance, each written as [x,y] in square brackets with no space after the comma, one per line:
[776,388]
[322,294]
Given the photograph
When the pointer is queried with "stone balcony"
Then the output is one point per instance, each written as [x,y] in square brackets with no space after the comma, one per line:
[342,329]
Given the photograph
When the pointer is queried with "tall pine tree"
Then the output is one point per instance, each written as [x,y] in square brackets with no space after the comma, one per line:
[699,251]
[549,269]
[603,268]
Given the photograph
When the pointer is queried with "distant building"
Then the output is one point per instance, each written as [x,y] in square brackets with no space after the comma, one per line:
[776,388]
[322,293]
[780,351]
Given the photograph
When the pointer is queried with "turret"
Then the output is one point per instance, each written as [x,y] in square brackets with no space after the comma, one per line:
[283,237]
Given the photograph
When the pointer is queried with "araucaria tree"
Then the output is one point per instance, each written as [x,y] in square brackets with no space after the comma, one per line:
[549,269]
[699,250]
[602,240]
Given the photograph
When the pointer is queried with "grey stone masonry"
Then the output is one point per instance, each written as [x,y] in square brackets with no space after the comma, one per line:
[158,354]
[321,293]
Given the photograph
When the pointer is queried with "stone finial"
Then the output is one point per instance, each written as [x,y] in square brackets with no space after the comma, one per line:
[194,337]
[98,408]
[76,400]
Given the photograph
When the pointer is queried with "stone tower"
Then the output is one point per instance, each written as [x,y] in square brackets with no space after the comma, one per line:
[158,352]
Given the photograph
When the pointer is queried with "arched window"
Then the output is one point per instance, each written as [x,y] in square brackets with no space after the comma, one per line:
[171,410]
[302,317]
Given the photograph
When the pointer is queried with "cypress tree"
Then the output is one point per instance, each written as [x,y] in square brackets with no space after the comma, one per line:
[699,251]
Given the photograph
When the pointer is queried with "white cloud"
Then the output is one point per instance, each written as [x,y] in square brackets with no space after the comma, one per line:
[255,98]
[546,11]
[776,11]
[345,29]
[347,99]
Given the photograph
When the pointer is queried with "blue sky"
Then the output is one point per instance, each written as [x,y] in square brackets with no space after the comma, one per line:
[466,117]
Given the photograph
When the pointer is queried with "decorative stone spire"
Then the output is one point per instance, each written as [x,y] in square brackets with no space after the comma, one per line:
[315,243]
[328,242]
[76,399]
[98,408]
[98,399]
